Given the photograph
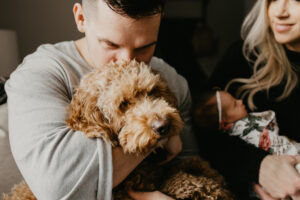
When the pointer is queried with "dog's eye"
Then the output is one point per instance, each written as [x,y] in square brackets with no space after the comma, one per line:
[123,105]
[153,91]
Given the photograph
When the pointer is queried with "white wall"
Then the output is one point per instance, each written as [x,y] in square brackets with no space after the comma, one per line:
[225,18]
[38,21]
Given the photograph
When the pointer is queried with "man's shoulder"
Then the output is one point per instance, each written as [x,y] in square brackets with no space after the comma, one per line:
[167,71]
[51,63]
[177,83]
[159,64]
[46,53]
[53,50]
[62,56]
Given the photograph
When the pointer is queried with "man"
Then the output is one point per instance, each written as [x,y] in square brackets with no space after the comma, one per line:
[59,163]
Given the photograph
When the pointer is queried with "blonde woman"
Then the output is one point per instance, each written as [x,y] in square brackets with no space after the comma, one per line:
[264,71]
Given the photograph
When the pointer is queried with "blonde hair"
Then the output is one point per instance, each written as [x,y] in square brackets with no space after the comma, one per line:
[271,65]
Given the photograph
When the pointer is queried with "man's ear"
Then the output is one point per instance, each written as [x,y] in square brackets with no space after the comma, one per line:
[224,125]
[79,17]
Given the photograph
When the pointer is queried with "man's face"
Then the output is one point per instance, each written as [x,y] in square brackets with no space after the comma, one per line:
[112,37]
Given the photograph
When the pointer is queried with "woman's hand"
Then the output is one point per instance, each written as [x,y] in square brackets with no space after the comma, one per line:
[261,193]
[173,147]
[149,195]
[278,176]
[265,196]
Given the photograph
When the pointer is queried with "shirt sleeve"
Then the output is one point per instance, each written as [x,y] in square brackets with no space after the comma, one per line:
[189,144]
[55,161]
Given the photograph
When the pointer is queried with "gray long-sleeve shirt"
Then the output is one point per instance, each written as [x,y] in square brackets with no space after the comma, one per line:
[57,162]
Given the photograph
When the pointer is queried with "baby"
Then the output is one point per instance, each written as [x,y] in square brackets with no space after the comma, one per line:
[219,110]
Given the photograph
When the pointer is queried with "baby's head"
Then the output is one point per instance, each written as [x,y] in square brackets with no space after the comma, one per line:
[218,110]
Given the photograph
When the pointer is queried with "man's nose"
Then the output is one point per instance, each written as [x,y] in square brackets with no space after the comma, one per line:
[126,55]
[282,9]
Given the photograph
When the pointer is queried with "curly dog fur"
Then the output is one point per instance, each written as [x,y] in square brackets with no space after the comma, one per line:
[123,104]
[131,106]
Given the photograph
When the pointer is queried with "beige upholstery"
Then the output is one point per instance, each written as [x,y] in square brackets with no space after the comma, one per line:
[9,172]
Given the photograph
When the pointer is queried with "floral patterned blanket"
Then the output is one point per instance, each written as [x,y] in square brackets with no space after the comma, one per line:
[261,130]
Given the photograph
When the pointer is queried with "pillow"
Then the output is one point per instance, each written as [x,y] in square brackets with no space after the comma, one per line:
[9,172]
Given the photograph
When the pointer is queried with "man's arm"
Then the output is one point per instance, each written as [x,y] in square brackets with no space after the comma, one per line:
[56,162]
[123,164]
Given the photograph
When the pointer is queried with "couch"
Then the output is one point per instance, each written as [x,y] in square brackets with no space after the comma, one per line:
[9,172]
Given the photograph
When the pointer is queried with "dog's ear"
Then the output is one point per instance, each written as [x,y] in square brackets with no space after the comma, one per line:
[162,90]
[170,97]
[84,115]
[165,92]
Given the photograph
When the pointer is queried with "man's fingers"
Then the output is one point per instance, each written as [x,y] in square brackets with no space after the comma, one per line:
[135,195]
[140,195]
[148,195]
[169,158]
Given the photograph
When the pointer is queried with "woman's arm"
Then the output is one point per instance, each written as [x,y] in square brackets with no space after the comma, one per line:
[278,176]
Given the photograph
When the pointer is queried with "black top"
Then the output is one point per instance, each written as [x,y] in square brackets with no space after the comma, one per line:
[238,161]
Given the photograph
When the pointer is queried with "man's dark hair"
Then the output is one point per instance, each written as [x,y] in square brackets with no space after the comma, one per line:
[135,9]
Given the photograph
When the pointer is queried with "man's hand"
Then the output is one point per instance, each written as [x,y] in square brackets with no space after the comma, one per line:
[149,195]
[173,147]
[278,176]
[124,164]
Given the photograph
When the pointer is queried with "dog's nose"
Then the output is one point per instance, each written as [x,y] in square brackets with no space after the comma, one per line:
[161,126]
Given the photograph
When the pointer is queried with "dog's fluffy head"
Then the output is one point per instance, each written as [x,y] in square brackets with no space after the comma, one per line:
[127,104]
